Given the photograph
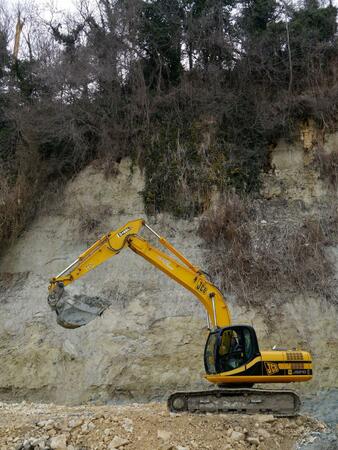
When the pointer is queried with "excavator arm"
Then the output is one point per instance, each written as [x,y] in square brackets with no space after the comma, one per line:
[175,265]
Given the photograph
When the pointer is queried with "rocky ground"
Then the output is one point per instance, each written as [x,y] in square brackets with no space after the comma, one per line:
[31,426]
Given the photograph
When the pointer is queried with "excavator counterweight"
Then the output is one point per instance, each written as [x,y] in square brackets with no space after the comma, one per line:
[232,358]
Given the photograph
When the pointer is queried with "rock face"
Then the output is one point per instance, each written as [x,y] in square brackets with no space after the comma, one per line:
[295,173]
[150,341]
[142,347]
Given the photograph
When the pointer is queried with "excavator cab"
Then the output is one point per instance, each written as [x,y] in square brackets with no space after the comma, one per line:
[229,348]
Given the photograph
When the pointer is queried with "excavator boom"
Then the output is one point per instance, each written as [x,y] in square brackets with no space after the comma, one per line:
[177,267]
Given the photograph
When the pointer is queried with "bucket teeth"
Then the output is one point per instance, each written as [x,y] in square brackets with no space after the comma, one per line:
[55,295]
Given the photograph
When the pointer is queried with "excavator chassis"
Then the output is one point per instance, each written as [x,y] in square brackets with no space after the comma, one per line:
[280,403]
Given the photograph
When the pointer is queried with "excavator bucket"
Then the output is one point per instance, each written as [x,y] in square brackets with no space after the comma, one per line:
[77,310]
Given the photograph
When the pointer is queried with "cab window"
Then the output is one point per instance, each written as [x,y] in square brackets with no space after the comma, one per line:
[249,347]
[231,350]
[210,353]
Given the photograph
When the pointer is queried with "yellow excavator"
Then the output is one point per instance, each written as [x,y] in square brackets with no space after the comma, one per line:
[232,358]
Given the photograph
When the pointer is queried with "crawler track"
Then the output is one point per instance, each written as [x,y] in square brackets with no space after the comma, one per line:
[280,403]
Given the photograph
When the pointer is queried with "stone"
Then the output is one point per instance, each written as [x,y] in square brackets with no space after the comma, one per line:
[127,424]
[299,421]
[39,442]
[84,428]
[91,426]
[262,432]
[73,423]
[45,424]
[117,443]
[265,418]
[58,442]
[167,446]
[237,436]
[253,440]
[164,435]
[26,445]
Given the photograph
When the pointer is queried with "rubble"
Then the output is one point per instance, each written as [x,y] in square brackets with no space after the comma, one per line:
[25,426]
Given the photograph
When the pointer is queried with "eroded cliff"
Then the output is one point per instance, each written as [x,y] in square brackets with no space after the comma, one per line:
[151,339]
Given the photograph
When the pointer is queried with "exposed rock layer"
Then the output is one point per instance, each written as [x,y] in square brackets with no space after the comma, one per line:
[150,341]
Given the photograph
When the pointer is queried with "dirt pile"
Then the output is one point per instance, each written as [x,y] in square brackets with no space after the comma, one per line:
[28,426]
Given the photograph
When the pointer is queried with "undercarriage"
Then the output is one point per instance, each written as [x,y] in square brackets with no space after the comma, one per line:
[280,403]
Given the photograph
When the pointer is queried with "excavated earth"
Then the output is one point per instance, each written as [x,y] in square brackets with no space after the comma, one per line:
[28,426]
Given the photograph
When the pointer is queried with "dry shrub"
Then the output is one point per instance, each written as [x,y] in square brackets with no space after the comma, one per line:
[226,221]
[17,207]
[251,259]
[91,222]
[12,221]
[328,166]
[294,259]
[88,224]
[226,232]
[20,192]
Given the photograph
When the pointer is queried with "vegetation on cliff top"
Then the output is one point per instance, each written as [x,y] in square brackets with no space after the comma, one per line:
[193,90]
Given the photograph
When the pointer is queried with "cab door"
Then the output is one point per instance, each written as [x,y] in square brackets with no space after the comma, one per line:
[251,352]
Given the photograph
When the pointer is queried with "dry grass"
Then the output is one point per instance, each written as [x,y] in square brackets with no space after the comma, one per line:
[251,258]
